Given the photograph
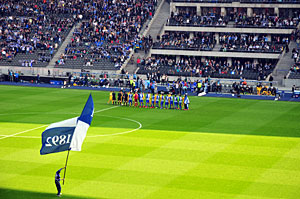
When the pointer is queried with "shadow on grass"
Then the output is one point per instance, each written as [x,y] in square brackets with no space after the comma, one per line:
[20,194]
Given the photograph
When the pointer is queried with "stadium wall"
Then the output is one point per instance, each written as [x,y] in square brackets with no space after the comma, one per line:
[198,5]
[216,54]
[226,30]
[53,71]
[290,82]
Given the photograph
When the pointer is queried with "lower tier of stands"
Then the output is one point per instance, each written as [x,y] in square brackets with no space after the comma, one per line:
[218,68]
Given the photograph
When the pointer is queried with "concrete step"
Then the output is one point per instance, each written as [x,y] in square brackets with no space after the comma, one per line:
[154,27]
[131,66]
[286,61]
[160,20]
[217,47]
[284,64]
[63,46]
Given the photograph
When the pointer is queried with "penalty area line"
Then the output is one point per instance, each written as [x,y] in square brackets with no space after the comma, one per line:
[15,134]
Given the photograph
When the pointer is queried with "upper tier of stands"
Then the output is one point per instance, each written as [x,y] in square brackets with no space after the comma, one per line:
[241,1]
[186,17]
[183,40]
[253,43]
[199,25]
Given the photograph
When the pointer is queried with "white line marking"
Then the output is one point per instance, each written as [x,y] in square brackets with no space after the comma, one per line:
[23,136]
[121,133]
[45,113]
[32,113]
[106,109]
[23,132]
[15,135]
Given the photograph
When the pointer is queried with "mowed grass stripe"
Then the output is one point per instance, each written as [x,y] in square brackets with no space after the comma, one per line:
[196,194]
[102,189]
[9,128]
[235,187]
[230,172]
[272,190]
[159,160]
[204,112]
[183,155]
[159,153]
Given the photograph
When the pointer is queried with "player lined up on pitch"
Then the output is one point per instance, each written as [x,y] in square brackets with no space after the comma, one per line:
[141,100]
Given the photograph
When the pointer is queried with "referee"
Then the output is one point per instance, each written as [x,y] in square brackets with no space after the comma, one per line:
[57,181]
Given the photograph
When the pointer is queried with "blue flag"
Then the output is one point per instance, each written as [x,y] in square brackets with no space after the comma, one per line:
[68,134]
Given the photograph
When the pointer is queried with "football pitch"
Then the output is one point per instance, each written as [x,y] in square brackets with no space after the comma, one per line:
[220,149]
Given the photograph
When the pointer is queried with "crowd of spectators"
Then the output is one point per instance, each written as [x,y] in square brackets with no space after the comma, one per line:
[183,40]
[253,43]
[189,18]
[110,29]
[110,33]
[27,28]
[40,35]
[86,79]
[214,19]
[194,66]
[266,21]
[295,68]
[296,56]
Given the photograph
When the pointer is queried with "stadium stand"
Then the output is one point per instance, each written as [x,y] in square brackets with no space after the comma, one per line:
[31,41]
[105,40]
[295,69]
[195,66]
[253,43]
[227,32]
[190,18]
[222,38]
[183,40]
[294,72]
[32,31]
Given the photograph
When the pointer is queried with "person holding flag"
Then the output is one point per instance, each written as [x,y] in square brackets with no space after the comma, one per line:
[67,135]
[57,181]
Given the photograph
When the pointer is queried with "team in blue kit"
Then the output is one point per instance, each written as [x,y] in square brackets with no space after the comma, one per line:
[148,100]
[162,100]
[141,95]
[130,96]
[176,102]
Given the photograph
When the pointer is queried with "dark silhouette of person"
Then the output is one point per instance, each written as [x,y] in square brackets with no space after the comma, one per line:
[57,181]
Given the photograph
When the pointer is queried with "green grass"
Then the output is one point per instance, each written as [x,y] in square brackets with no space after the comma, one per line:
[221,148]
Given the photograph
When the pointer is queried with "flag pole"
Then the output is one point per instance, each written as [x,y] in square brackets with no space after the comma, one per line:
[66,166]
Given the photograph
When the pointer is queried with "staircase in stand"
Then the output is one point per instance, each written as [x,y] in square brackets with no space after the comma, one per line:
[61,49]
